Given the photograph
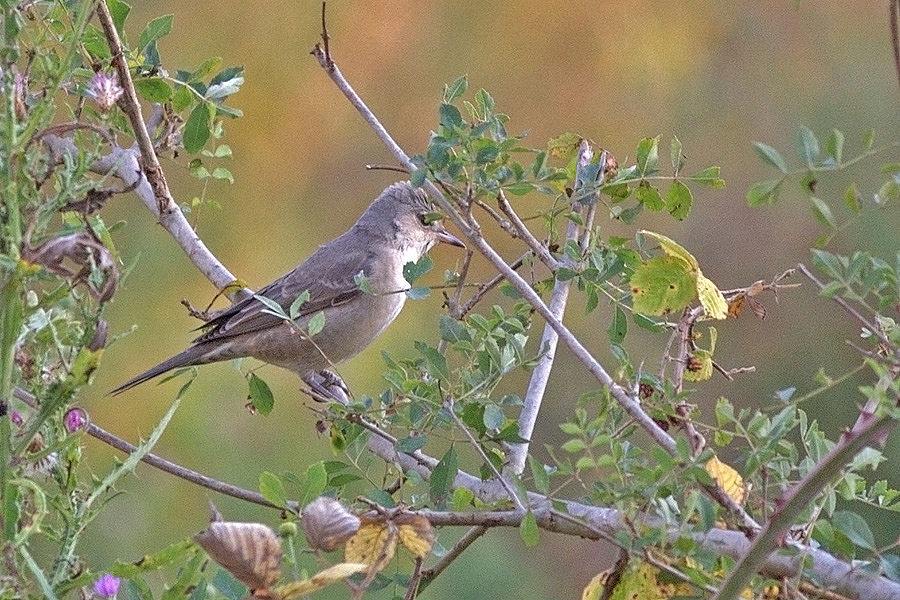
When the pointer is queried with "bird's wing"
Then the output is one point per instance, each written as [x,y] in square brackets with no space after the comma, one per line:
[329,284]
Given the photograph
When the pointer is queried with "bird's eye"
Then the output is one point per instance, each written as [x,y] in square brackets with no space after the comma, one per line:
[429,218]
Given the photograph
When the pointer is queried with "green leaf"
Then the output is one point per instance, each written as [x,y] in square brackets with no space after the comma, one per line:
[436,363]
[711,298]
[414,270]
[261,395]
[453,331]
[182,99]
[618,326]
[417,177]
[153,89]
[196,130]
[485,103]
[852,198]
[770,156]
[462,498]
[456,89]
[493,416]
[418,292]
[887,192]
[442,477]
[316,323]
[540,475]
[662,285]
[486,154]
[223,174]
[154,30]
[272,489]
[411,443]
[299,301]
[709,176]
[520,188]
[822,212]
[649,196]
[364,284]
[574,445]
[529,531]
[834,146]
[764,192]
[648,155]
[679,200]
[672,248]
[119,11]
[807,146]
[868,139]
[314,483]
[855,528]
[450,117]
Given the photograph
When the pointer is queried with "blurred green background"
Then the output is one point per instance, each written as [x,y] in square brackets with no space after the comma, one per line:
[719,75]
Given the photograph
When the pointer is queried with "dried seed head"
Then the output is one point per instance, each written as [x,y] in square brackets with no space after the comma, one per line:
[327,524]
[249,551]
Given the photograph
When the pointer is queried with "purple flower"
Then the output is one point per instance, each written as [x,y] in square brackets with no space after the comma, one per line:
[75,420]
[16,418]
[105,90]
[107,586]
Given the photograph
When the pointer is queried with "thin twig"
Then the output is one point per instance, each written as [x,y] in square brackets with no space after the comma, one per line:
[485,288]
[458,548]
[876,331]
[520,503]
[522,231]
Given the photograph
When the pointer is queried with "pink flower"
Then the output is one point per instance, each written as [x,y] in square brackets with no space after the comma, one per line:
[107,586]
[16,418]
[75,420]
[105,90]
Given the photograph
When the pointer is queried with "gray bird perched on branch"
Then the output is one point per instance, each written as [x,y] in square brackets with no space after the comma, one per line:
[356,280]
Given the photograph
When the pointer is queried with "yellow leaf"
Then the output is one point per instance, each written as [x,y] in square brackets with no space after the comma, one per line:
[729,479]
[672,248]
[711,298]
[415,533]
[374,545]
[334,574]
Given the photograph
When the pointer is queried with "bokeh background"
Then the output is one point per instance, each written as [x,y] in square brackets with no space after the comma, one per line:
[719,75]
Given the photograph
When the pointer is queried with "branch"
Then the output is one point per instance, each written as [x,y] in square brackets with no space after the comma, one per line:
[540,376]
[162,205]
[161,463]
[124,164]
[132,108]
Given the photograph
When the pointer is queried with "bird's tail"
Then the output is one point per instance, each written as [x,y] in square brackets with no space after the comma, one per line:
[187,358]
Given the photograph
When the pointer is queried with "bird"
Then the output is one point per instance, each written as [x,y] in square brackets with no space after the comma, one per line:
[356,280]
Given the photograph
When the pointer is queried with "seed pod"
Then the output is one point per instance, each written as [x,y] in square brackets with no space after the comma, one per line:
[327,524]
[249,551]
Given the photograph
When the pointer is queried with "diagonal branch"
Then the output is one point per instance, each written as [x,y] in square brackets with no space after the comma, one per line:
[626,399]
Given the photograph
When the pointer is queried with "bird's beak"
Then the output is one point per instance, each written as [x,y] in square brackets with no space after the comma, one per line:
[448,238]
